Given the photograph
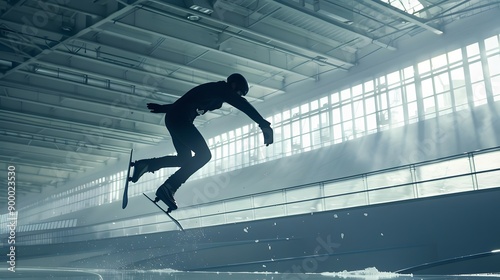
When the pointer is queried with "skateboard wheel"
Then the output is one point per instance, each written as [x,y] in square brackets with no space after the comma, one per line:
[132,163]
[157,199]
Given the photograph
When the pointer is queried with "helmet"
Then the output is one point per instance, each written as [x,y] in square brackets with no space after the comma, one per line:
[240,81]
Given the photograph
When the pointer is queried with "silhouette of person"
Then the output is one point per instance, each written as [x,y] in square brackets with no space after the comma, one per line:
[179,118]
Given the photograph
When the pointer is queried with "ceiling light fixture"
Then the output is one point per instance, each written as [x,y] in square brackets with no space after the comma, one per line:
[193,17]
[201,9]
[201,6]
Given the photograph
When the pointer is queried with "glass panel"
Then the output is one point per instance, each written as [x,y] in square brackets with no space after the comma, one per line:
[371,122]
[346,112]
[392,178]
[348,130]
[429,105]
[444,101]
[395,97]
[344,201]
[458,77]
[479,94]
[391,194]
[427,88]
[239,216]
[411,94]
[326,135]
[305,128]
[314,105]
[216,208]
[306,141]
[304,108]
[442,82]
[323,102]
[397,115]
[408,72]
[442,169]
[488,180]
[460,95]
[487,161]
[494,65]
[358,108]
[473,50]
[334,98]
[439,61]
[393,78]
[304,207]
[268,199]
[424,67]
[476,72]
[412,110]
[212,220]
[368,86]
[360,127]
[357,90]
[336,115]
[491,43]
[345,94]
[495,85]
[342,187]
[303,193]
[451,185]
[269,212]
[370,105]
[455,56]
[238,204]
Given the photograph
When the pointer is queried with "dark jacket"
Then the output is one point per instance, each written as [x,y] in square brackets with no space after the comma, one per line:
[209,97]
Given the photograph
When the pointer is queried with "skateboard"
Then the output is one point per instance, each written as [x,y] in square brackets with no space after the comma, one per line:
[166,212]
[128,178]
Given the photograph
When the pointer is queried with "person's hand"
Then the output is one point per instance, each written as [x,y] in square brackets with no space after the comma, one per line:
[268,135]
[155,108]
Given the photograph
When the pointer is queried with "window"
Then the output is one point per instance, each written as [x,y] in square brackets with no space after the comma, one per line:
[450,81]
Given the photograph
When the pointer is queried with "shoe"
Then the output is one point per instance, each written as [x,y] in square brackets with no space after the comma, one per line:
[140,167]
[166,193]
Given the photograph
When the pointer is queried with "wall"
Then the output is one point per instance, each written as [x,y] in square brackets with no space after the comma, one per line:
[390,237]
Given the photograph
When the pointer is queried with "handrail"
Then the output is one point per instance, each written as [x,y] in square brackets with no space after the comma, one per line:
[403,167]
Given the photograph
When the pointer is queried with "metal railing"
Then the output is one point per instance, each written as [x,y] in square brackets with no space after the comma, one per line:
[461,173]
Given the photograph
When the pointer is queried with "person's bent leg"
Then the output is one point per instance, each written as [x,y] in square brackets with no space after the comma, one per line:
[191,138]
[154,164]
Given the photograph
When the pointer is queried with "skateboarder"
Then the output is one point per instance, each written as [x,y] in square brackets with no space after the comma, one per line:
[179,118]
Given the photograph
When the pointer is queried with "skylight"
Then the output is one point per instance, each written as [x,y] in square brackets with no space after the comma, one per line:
[409,6]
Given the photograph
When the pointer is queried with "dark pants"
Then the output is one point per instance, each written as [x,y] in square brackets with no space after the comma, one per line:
[186,139]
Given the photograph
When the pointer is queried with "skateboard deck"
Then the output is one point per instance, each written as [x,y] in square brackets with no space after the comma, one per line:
[127,180]
[166,212]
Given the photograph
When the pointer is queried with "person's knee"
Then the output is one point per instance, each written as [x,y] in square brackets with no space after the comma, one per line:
[204,156]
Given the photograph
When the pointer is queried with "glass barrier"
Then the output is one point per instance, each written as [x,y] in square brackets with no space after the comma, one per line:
[467,172]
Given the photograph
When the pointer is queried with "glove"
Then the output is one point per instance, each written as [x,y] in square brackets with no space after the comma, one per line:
[268,135]
[157,108]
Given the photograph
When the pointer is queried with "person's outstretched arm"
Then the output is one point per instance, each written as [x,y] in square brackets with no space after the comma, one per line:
[157,108]
[243,105]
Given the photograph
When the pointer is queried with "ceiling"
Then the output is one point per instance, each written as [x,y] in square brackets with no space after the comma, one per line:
[76,75]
